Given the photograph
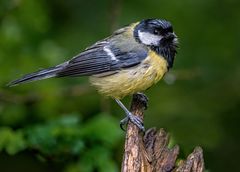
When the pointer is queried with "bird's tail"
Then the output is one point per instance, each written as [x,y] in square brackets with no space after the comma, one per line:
[38,75]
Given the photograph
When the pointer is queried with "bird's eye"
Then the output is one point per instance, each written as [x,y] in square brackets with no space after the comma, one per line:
[156,32]
[170,29]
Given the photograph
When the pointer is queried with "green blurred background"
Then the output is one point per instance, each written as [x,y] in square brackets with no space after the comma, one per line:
[64,125]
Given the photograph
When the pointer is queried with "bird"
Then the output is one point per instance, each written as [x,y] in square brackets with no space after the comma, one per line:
[129,61]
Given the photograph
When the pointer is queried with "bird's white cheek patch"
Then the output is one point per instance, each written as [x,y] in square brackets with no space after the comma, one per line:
[148,38]
[109,53]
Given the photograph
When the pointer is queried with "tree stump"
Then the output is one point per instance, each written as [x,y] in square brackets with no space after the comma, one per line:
[149,152]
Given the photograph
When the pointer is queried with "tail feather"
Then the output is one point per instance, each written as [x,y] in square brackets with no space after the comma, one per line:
[38,75]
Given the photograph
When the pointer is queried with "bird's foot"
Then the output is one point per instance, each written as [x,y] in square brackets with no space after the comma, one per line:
[134,119]
[142,98]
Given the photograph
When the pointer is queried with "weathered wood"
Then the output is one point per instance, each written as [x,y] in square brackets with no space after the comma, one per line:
[133,158]
[194,162]
[149,152]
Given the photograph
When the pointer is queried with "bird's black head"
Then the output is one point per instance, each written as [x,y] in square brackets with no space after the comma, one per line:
[159,36]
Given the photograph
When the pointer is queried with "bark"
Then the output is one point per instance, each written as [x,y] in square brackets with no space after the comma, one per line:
[149,152]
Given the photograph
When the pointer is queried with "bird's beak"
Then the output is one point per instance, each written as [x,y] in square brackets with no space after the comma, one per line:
[170,36]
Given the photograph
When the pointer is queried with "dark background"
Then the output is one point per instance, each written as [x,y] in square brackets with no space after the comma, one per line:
[64,125]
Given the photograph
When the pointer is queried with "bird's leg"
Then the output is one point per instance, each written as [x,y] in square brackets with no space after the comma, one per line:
[129,116]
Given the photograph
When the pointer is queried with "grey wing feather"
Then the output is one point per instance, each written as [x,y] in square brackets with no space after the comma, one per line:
[93,60]
[122,52]
[96,60]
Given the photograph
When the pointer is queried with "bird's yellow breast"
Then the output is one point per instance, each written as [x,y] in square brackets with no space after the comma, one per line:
[132,80]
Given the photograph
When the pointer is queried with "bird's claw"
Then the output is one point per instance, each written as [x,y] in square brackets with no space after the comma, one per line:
[134,119]
[124,122]
[143,99]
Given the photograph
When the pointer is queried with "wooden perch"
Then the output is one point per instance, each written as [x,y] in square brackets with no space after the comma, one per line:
[149,152]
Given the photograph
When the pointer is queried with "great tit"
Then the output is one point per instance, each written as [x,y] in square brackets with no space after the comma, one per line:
[131,60]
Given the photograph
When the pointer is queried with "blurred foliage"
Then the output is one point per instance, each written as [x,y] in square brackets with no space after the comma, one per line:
[68,126]
[89,144]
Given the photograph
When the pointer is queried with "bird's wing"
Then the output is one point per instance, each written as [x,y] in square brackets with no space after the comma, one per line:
[103,57]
